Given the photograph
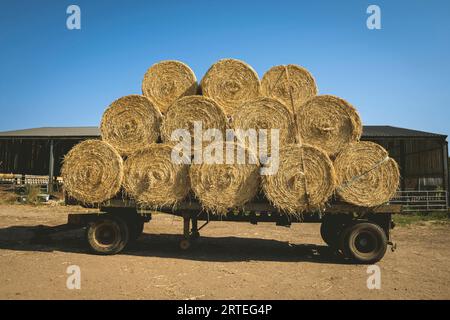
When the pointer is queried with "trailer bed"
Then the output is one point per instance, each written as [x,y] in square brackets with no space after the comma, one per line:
[357,233]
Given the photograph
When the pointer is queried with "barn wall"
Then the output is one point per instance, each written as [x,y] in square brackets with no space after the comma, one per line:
[420,160]
[24,156]
[31,156]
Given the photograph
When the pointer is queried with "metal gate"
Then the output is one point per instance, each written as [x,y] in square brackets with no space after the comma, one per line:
[421,200]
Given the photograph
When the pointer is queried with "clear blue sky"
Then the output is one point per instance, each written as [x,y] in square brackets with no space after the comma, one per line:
[52,76]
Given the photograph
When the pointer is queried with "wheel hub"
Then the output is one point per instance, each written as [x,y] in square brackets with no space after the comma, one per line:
[105,235]
[365,242]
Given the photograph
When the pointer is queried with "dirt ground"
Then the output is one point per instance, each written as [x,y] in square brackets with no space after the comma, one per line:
[230,261]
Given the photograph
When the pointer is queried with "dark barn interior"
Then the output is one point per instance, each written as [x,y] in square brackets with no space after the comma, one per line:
[40,151]
[422,156]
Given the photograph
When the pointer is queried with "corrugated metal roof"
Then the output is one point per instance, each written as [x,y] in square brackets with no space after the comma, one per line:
[389,131]
[89,132]
[48,132]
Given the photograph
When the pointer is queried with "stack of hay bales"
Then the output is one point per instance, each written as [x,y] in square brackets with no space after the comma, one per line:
[320,153]
[131,126]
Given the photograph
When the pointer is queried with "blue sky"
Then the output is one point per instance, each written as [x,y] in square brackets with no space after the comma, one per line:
[52,76]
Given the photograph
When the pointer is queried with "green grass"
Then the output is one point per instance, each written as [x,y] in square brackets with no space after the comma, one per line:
[438,217]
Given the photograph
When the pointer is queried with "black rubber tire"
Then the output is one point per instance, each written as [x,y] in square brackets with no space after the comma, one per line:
[136,228]
[134,222]
[363,242]
[326,232]
[330,229]
[107,235]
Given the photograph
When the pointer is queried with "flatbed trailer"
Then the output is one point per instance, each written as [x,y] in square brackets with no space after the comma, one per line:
[356,233]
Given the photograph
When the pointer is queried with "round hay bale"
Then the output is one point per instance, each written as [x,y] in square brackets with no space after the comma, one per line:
[167,81]
[231,82]
[153,179]
[92,172]
[293,85]
[305,180]
[366,175]
[265,113]
[221,187]
[328,122]
[130,123]
[184,112]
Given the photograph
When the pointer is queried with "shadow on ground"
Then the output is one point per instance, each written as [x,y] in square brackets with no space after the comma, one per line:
[223,249]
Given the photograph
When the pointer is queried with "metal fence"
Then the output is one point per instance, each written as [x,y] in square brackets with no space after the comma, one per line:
[22,180]
[410,200]
[421,200]
[19,179]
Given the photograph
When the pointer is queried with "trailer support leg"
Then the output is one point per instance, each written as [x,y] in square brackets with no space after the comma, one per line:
[186,225]
[194,231]
[185,243]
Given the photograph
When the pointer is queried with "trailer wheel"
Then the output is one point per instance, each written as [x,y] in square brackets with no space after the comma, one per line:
[135,227]
[139,229]
[330,229]
[364,242]
[107,235]
[328,234]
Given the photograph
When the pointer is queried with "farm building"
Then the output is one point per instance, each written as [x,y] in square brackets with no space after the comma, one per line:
[39,151]
[423,161]
[422,156]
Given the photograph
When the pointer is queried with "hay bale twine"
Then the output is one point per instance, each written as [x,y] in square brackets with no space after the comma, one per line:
[184,112]
[231,82]
[265,113]
[366,175]
[221,187]
[291,84]
[153,179]
[328,122]
[92,172]
[305,180]
[167,81]
[130,123]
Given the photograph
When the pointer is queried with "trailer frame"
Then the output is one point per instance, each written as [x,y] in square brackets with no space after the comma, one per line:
[338,221]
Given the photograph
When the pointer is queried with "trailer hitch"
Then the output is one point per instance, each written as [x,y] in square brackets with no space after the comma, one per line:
[393,245]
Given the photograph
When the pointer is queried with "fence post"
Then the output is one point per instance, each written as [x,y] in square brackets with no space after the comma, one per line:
[50,168]
[446,203]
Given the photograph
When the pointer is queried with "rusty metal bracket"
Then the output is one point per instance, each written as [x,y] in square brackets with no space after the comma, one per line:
[393,245]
